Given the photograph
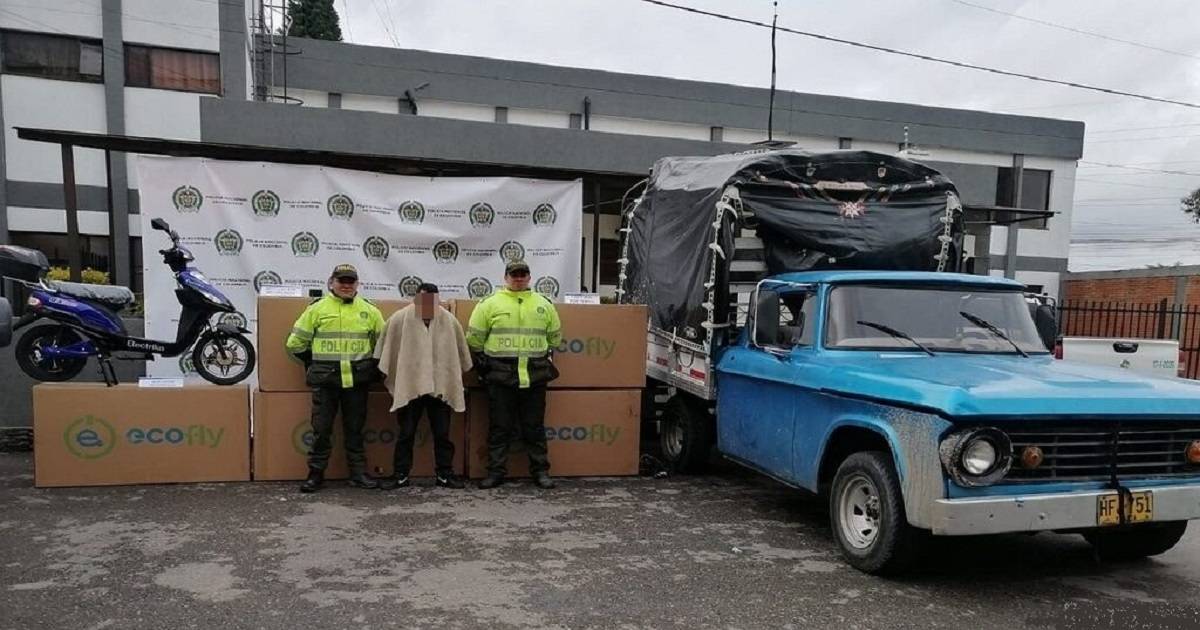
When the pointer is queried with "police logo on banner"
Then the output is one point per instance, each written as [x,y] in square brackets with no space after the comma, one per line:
[187,199]
[408,285]
[228,242]
[545,215]
[185,364]
[547,285]
[266,278]
[340,206]
[375,248]
[479,288]
[445,251]
[512,251]
[237,320]
[265,203]
[305,244]
[482,215]
[412,212]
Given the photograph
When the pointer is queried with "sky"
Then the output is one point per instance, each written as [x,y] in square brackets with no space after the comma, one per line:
[1125,217]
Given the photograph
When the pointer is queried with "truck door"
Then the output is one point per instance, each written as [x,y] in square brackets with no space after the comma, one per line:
[758,403]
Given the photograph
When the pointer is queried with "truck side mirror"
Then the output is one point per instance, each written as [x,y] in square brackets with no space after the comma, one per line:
[1047,326]
[766,318]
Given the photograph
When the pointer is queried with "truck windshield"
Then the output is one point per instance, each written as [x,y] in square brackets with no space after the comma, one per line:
[932,316]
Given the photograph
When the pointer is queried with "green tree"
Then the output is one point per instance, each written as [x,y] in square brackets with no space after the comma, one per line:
[1191,205]
[314,19]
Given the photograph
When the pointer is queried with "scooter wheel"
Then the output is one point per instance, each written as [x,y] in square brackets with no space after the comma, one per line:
[223,359]
[29,353]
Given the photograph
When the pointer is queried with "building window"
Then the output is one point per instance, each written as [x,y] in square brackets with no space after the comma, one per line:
[53,56]
[844,143]
[171,69]
[1035,192]
[501,114]
[716,134]
[575,121]
[610,251]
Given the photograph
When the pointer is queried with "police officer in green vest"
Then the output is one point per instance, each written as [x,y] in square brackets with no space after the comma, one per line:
[511,335]
[335,337]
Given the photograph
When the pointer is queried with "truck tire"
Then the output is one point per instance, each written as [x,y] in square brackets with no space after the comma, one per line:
[1139,541]
[6,323]
[687,434]
[866,511]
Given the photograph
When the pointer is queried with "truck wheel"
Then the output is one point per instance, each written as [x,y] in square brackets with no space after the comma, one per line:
[686,434]
[866,508]
[1136,542]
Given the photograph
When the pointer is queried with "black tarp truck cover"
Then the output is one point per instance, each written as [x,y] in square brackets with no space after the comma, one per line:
[844,209]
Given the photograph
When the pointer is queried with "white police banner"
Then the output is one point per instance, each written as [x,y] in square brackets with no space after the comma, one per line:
[253,224]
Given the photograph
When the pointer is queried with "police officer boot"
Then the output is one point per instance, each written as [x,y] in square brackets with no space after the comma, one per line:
[543,481]
[491,481]
[316,479]
[361,480]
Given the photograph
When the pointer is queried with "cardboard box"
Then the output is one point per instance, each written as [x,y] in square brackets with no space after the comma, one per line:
[589,433]
[283,434]
[279,371]
[86,434]
[604,345]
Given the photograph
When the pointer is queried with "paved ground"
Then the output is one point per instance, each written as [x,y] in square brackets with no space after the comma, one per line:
[727,550]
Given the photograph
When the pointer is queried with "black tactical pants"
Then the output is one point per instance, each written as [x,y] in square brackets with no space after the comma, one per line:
[408,417]
[325,404]
[516,413]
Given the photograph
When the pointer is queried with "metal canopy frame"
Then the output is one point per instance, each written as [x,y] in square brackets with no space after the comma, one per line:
[398,165]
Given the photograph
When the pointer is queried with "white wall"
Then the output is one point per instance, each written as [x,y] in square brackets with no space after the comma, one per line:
[455,110]
[191,24]
[640,127]
[309,98]
[539,118]
[368,103]
[79,17]
[65,105]
[160,114]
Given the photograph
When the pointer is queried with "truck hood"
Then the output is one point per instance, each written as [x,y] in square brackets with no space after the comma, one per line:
[1007,385]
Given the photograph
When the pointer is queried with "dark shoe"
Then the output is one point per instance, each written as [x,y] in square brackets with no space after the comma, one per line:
[362,481]
[491,481]
[543,481]
[315,480]
[450,481]
[392,483]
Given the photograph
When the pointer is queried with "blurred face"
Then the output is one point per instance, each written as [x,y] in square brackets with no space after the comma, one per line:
[344,287]
[426,302]
[517,280]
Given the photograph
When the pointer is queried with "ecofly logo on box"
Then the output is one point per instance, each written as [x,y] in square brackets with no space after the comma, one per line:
[90,437]
[303,437]
[590,347]
[601,433]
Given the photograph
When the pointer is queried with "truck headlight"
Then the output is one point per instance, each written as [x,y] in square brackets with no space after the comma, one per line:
[980,456]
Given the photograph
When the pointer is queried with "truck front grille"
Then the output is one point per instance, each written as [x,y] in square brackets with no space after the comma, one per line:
[1088,451]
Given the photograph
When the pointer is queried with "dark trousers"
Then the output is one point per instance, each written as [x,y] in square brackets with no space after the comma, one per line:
[516,413]
[325,404]
[408,417]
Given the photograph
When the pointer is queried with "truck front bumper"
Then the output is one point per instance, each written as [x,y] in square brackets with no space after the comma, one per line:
[1038,512]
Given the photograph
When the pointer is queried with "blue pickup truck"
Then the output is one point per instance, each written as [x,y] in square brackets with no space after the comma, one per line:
[920,402]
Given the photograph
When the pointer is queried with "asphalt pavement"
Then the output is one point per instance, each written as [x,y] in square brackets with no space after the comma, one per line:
[726,550]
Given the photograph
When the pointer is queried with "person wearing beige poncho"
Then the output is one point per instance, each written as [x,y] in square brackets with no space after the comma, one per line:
[423,355]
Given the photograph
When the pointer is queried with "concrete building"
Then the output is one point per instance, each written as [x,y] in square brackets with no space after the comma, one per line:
[184,69]
[195,70]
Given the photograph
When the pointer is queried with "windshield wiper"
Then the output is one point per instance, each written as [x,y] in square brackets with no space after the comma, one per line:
[897,334]
[983,323]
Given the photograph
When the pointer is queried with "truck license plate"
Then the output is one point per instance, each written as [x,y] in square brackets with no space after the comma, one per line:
[1139,508]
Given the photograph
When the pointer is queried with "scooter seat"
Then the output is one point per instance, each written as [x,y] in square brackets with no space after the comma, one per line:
[115,297]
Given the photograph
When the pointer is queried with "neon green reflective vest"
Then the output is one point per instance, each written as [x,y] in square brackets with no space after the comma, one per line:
[335,330]
[515,324]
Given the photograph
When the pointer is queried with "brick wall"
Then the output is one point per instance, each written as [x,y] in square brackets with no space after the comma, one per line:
[1127,290]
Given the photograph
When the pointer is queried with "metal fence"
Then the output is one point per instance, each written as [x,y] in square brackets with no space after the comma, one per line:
[1162,320]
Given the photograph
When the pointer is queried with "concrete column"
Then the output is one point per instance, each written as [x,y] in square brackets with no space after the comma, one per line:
[117,166]
[1010,250]
[231,16]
